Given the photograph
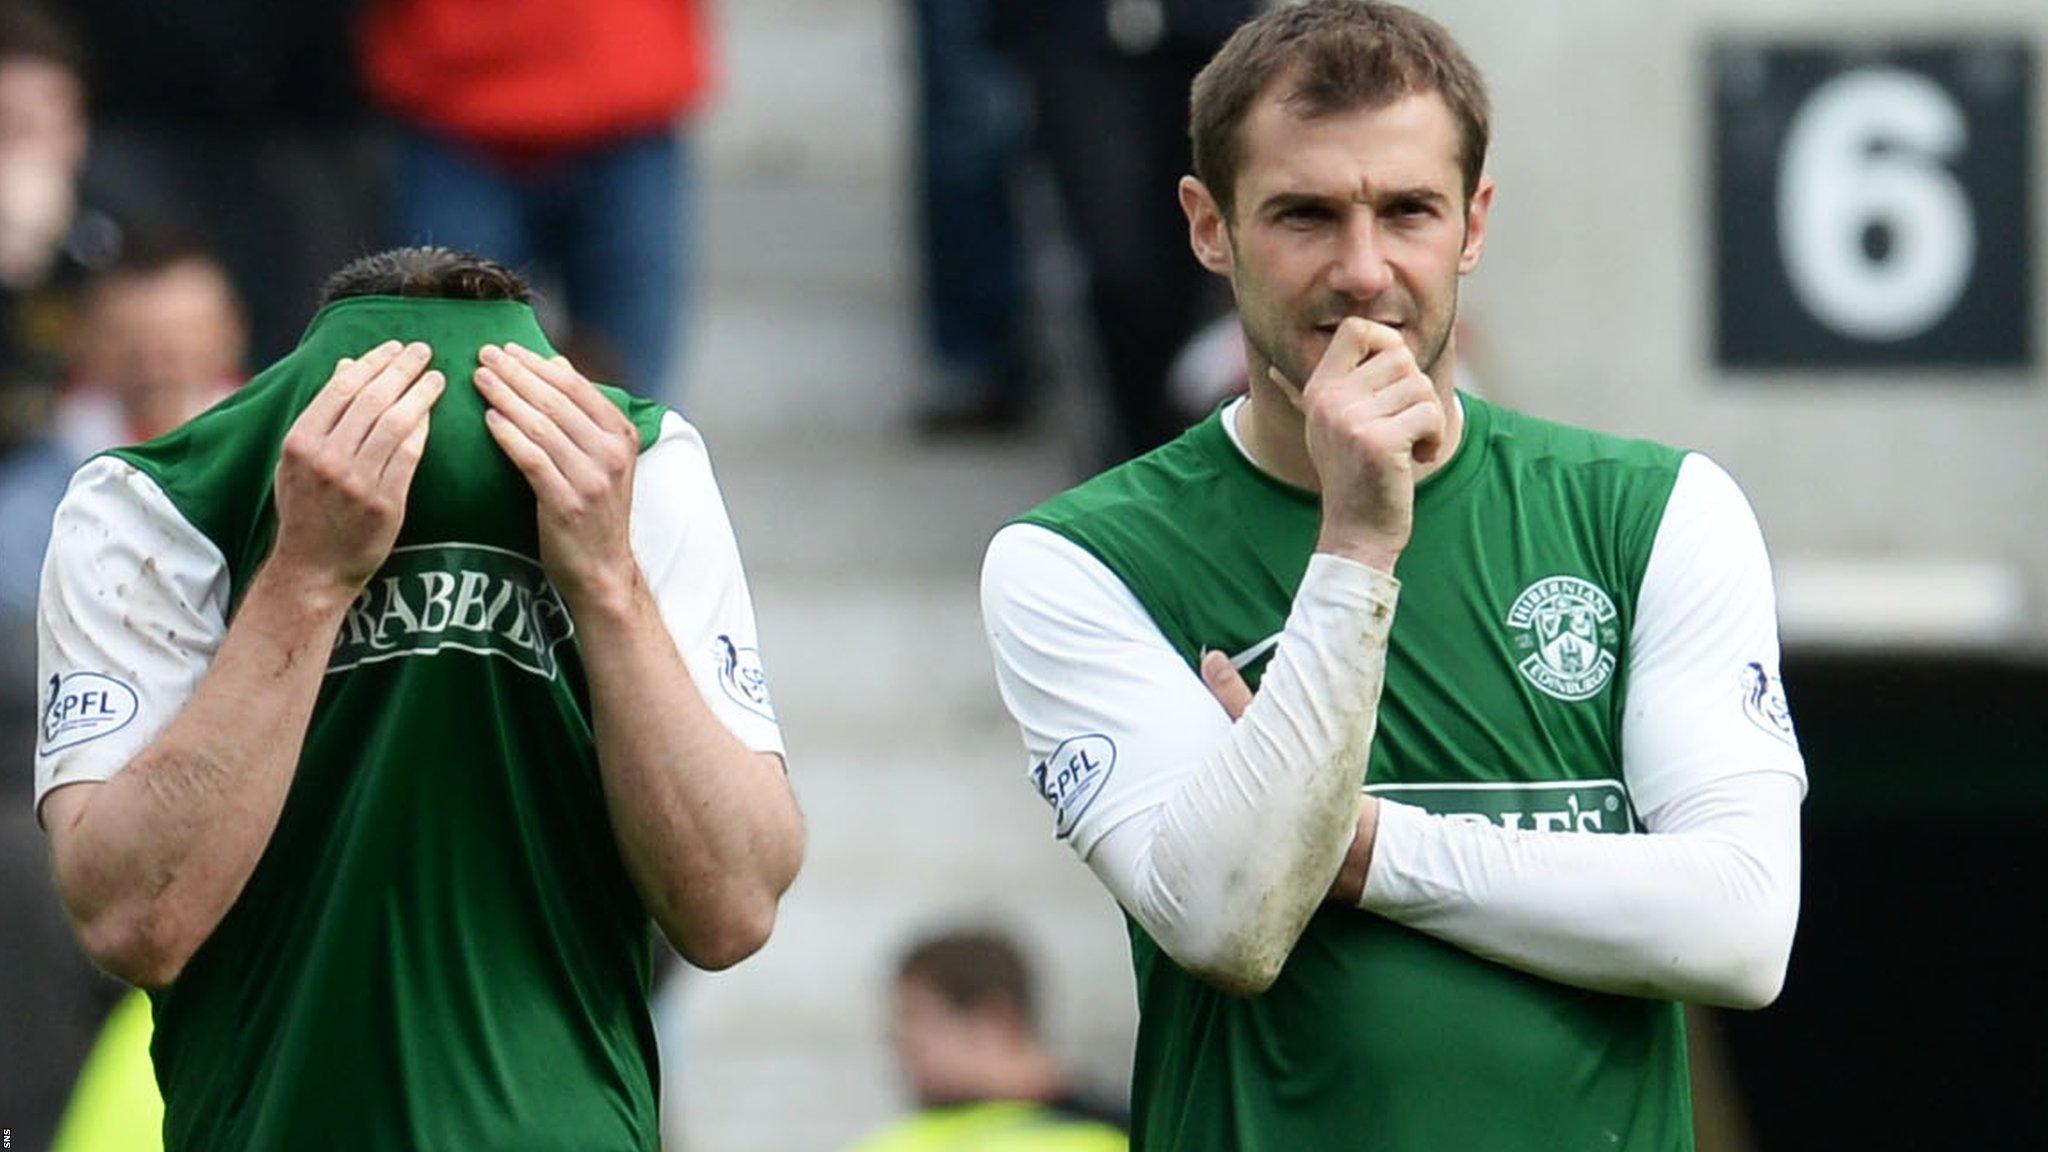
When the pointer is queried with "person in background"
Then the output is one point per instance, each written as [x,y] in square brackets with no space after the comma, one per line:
[1109,80]
[51,1000]
[964,1026]
[971,126]
[116,1107]
[240,123]
[161,338]
[548,136]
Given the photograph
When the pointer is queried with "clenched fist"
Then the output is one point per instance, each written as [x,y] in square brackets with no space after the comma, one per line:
[1372,418]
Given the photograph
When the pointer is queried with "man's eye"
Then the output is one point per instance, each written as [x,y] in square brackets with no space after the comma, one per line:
[1304,214]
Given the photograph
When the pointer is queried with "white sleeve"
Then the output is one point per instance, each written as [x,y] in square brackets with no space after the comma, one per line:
[1704,907]
[1704,698]
[684,543]
[1220,839]
[133,608]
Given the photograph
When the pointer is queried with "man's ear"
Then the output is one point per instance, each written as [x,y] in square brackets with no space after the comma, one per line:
[1208,232]
[1475,225]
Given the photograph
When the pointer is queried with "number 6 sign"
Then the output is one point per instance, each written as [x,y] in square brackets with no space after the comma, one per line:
[1871,207]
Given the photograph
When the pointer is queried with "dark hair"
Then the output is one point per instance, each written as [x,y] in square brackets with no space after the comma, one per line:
[32,32]
[145,252]
[428,270]
[1336,55]
[151,252]
[971,969]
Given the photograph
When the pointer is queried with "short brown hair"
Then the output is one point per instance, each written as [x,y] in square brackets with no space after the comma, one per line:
[32,32]
[430,271]
[972,968]
[1337,55]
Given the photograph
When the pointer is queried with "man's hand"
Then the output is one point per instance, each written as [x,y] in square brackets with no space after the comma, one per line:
[1227,685]
[1224,682]
[577,450]
[1372,417]
[346,466]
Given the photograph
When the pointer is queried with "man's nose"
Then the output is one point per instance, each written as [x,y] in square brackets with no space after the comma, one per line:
[1361,270]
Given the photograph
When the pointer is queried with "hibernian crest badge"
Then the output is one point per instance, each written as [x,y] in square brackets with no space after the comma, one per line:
[1567,627]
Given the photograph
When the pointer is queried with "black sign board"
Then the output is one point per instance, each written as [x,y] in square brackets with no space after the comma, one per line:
[1872,205]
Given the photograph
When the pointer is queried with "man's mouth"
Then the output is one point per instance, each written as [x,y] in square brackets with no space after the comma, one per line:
[1329,328]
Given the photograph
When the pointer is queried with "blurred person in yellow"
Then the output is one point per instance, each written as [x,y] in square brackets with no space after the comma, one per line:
[964,1026]
[116,1107]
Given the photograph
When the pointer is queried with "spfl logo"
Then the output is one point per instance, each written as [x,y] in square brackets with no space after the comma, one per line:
[1567,627]
[84,706]
[1763,701]
[1072,777]
[741,676]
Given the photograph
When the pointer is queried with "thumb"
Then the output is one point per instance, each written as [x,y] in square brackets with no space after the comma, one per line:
[1224,683]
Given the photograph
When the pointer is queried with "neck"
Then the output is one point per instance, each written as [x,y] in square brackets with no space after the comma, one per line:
[1275,433]
[1032,1076]
[1023,1075]
[151,416]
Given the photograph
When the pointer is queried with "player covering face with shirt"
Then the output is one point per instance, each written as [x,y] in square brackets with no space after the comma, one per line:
[390,701]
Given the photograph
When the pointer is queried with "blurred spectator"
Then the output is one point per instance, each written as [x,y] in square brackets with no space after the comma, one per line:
[161,339]
[116,1106]
[1110,79]
[971,118]
[547,134]
[51,1000]
[240,122]
[964,1024]
[48,240]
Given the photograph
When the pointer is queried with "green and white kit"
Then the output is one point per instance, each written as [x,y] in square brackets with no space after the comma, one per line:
[440,947]
[1584,650]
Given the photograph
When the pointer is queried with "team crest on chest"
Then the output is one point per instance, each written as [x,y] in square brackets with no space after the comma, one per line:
[1566,626]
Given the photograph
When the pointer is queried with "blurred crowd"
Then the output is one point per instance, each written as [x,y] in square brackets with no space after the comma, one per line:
[1092,96]
[177,180]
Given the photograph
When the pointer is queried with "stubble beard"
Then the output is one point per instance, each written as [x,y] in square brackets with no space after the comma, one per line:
[1286,355]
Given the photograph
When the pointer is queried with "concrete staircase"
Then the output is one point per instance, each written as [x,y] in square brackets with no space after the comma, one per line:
[862,548]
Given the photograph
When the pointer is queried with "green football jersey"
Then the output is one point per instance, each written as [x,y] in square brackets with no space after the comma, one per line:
[1506,679]
[440,947]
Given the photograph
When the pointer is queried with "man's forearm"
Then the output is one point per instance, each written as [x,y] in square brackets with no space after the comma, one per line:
[1702,912]
[1227,872]
[707,827]
[153,858]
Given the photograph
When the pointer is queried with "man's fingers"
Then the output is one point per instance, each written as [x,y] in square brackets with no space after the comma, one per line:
[1221,677]
[573,384]
[405,458]
[380,392]
[1401,395]
[1356,341]
[401,420]
[537,425]
[1423,424]
[547,481]
[577,466]
[1288,388]
[348,378]
[542,394]
[1363,357]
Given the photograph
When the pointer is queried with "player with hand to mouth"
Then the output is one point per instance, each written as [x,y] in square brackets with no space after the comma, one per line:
[1416,879]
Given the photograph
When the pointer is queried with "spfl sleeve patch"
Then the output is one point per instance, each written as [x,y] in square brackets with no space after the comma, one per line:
[1072,777]
[84,706]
